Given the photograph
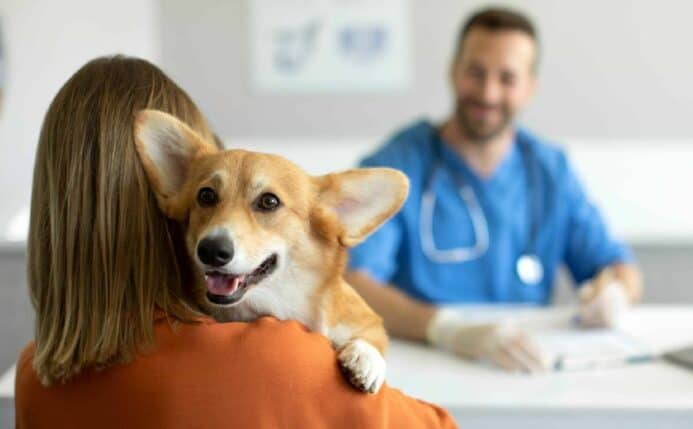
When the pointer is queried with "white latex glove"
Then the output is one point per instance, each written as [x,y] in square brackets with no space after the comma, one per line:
[603,306]
[503,344]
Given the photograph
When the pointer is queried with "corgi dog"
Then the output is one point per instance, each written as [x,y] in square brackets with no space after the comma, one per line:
[270,240]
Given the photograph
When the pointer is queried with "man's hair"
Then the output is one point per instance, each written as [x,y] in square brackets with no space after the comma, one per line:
[497,19]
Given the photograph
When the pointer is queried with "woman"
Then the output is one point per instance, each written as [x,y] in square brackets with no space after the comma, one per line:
[118,341]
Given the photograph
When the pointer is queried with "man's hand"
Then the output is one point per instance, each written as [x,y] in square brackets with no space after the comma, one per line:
[605,299]
[503,344]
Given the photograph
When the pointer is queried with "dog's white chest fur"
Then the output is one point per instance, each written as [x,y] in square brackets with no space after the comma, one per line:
[283,300]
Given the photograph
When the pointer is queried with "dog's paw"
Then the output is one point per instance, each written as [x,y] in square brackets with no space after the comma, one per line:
[363,365]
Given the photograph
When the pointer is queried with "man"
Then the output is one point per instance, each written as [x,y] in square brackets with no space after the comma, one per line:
[492,212]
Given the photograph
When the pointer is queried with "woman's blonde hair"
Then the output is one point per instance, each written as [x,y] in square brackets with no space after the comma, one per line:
[101,256]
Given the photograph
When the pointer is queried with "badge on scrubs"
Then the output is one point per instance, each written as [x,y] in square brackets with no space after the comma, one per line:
[529,269]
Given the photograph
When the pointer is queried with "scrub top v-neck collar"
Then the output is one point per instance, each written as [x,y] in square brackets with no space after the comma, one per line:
[504,174]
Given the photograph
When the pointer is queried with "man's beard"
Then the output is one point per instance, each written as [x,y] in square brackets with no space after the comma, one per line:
[481,131]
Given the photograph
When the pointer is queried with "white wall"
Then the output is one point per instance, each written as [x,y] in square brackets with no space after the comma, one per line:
[46,42]
[615,88]
[614,82]
[610,69]
[642,187]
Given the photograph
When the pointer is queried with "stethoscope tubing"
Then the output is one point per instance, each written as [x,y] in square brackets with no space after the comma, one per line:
[459,254]
[476,213]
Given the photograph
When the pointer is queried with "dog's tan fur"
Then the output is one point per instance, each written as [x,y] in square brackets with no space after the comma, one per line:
[320,217]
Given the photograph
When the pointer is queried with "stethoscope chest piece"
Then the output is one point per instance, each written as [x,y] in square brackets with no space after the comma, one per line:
[529,269]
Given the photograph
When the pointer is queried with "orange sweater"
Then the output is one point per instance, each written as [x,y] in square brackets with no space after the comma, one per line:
[267,374]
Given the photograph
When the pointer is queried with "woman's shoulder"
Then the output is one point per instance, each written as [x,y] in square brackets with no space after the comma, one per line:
[262,332]
[25,374]
[264,339]
[266,371]
[27,386]
[182,375]
[195,346]
[265,343]
[26,357]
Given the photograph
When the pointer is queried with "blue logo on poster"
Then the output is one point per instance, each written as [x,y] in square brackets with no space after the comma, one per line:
[362,43]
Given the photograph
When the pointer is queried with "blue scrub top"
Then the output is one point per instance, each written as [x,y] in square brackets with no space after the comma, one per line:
[570,228]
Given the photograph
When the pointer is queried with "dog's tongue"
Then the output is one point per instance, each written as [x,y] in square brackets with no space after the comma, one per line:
[218,284]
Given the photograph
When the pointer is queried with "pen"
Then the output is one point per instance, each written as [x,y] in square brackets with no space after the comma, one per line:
[564,363]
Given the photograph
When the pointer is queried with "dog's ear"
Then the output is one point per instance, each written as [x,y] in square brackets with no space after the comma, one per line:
[167,147]
[363,199]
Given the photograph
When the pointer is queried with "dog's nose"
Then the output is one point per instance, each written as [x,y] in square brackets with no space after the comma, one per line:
[215,251]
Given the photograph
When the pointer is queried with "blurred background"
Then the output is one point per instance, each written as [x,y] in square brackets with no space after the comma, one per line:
[324,82]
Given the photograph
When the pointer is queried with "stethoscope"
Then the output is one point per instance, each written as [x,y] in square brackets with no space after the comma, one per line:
[528,266]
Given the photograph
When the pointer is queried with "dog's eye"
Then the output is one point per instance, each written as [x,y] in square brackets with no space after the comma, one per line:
[206,197]
[267,202]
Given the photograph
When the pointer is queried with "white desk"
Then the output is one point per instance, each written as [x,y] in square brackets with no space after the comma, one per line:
[655,394]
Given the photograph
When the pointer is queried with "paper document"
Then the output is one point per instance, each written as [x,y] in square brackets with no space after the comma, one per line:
[577,349]
[570,347]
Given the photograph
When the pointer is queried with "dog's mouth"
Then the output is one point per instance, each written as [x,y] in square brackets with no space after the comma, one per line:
[228,288]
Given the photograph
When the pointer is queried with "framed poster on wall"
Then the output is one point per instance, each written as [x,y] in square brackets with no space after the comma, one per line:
[332,46]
